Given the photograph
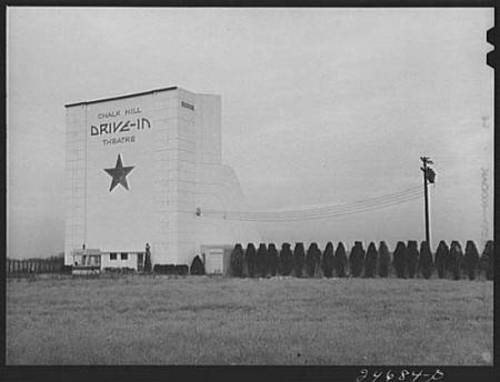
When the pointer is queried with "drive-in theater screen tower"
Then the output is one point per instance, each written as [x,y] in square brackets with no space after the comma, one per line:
[138,168]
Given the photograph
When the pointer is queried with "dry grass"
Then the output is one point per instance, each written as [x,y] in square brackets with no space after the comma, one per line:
[200,320]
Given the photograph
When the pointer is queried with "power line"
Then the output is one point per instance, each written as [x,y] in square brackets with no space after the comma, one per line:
[410,191]
[331,211]
[319,212]
[325,216]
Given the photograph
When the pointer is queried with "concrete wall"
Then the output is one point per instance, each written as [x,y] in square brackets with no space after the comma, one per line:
[75,181]
[121,218]
[177,168]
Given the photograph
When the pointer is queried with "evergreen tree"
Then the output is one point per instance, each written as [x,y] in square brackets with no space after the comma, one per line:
[442,259]
[399,260]
[464,272]
[197,267]
[490,270]
[286,260]
[298,259]
[487,261]
[356,259]
[425,261]
[456,257]
[327,261]
[317,260]
[310,262]
[272,254]
[412,258]
[384,259]
[250,256]
[363,254]
[261,260]
[371,261]
[471,259]
[236,261]
[340,262]
[313,259]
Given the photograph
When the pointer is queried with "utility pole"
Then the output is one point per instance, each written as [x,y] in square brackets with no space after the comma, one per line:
[429,176]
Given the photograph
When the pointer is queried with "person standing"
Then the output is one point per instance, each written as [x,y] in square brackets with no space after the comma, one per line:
[147,260]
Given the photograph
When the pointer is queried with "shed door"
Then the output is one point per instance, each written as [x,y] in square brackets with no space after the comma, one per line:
[215,261]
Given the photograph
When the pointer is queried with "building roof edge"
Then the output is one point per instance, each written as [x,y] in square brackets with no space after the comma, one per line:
[122,96]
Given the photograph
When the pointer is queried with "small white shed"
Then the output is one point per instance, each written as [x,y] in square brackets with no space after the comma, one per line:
[216,258]
[87,261]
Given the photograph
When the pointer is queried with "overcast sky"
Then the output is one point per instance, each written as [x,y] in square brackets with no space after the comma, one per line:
[320,106]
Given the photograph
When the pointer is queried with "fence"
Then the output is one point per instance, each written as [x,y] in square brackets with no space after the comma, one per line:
[35,266]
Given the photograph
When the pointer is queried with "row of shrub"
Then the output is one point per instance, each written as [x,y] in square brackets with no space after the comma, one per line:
[407,260]
[119,270]
[170,269]
[197,268]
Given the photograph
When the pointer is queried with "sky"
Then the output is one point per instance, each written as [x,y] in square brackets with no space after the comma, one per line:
[320,106]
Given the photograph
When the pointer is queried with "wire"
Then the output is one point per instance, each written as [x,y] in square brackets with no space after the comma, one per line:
[322,216]
[379,199]
[321,212]
[330,209]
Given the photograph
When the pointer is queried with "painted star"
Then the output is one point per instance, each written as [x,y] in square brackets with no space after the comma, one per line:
[119,174]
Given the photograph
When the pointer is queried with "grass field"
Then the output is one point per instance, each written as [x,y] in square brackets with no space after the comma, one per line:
[200,320]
